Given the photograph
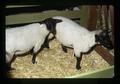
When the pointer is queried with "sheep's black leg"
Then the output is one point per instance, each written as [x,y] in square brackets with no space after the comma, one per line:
[46,43]
[34,58]
[78,62]
[64,48]
[8,67]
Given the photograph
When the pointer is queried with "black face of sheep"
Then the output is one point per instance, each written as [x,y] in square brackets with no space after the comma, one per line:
[104,39]
[51,24]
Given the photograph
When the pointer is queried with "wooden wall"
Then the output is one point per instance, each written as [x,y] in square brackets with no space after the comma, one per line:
[31,14]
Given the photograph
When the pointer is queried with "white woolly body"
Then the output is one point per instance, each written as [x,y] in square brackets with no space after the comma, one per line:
[70,34]
[22,39]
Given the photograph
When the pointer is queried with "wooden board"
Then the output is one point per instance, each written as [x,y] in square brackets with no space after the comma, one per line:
[23,18]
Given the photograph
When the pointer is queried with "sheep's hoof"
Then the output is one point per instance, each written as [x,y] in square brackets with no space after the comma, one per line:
[65,50]
[34,62]
[78,67]
[47,47]
[10,68]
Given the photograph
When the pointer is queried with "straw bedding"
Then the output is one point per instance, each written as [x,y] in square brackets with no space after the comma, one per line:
[54,63]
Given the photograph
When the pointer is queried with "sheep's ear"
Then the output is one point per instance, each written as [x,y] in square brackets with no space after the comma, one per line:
[57,20]
[96,38]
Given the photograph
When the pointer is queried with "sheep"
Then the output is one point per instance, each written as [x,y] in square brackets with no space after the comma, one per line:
[31,37]
[72,35]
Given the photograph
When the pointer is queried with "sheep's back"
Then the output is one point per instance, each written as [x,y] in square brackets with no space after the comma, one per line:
[23,38]
[68,32]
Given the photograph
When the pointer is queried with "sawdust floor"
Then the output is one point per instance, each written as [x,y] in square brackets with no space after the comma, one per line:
[54,63]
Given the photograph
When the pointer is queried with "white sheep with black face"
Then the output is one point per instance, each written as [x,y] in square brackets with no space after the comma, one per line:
[71,34]
[20,40]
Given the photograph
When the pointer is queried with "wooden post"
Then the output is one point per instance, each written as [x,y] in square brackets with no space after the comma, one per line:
[92,20]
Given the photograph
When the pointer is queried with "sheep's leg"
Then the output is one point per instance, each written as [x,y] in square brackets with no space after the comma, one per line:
[46,43]
[78,62]
[34,58]
[9,58]
[8,67]
[35,52]
[64,48]
[78,55]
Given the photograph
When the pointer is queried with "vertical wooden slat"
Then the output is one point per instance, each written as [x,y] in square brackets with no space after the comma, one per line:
[105,11]
[92,20]
[112,22]
[101,20]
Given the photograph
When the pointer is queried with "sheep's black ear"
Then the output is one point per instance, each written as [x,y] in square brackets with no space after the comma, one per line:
[96,38]
[51,20]
[57,20]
